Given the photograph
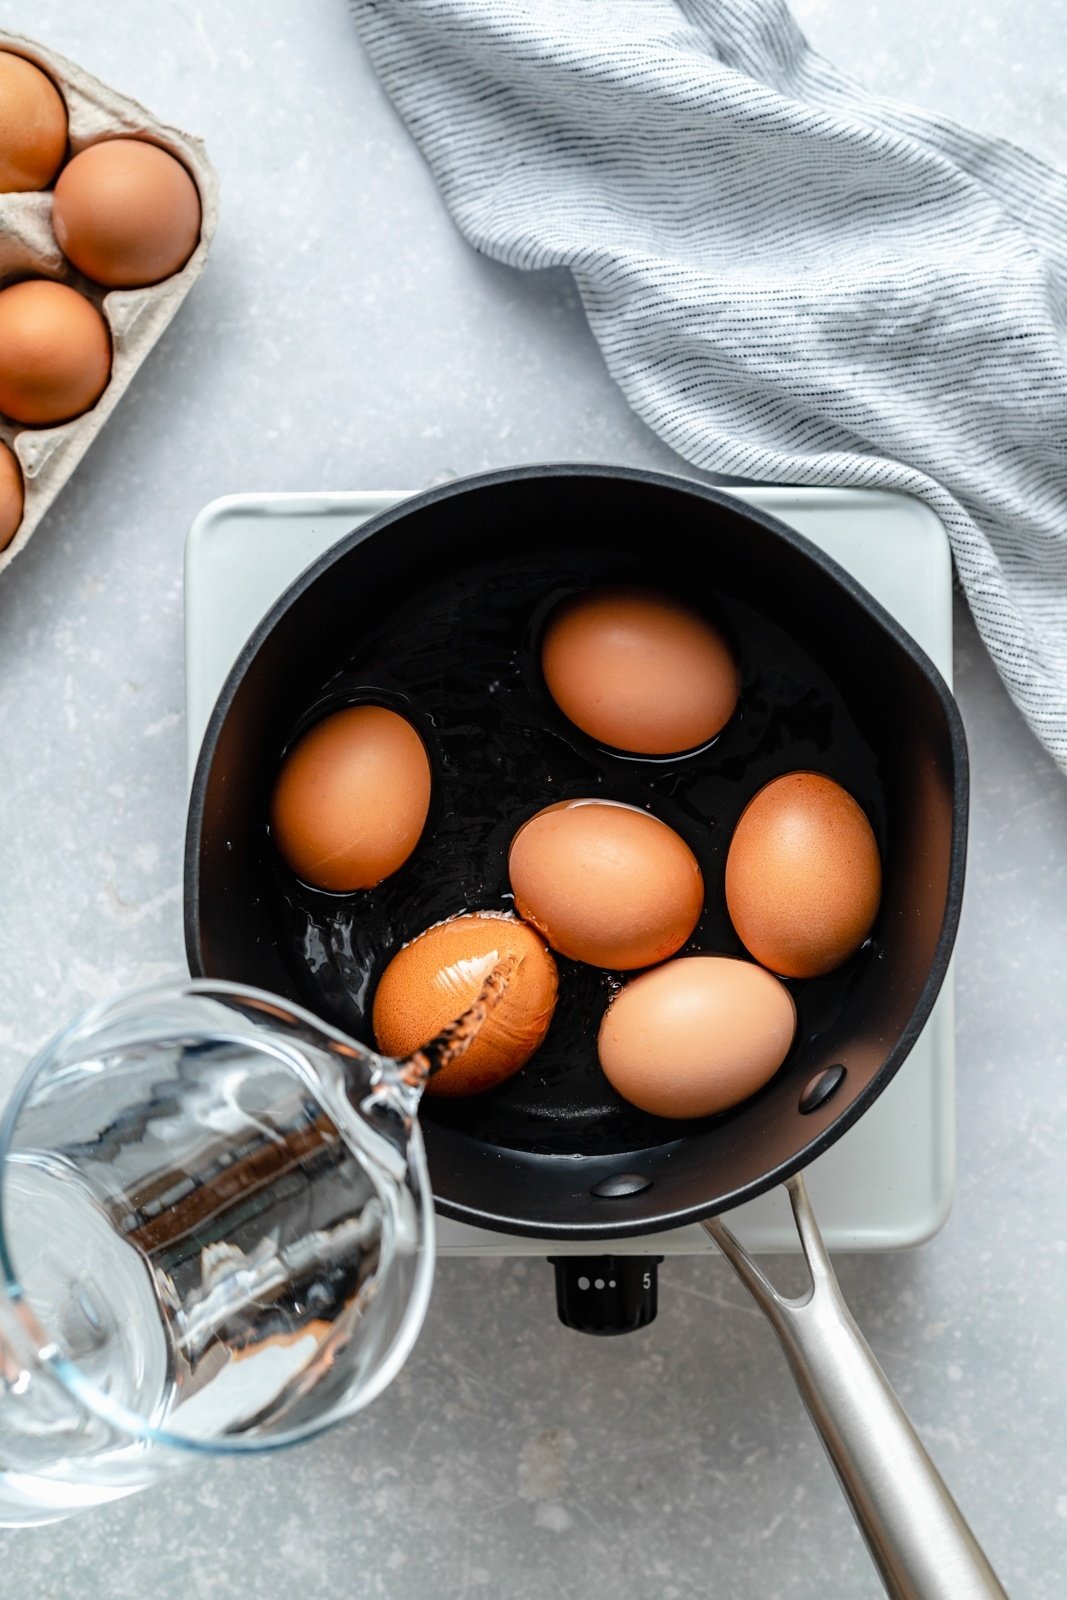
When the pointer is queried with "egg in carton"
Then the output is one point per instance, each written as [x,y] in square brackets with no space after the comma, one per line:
[135,318]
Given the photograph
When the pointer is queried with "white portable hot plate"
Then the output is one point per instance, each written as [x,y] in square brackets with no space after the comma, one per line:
[888,1181]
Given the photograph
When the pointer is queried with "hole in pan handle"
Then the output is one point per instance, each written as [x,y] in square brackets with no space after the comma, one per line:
[915,1532]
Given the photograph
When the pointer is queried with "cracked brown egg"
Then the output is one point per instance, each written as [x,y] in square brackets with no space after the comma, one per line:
[437,977]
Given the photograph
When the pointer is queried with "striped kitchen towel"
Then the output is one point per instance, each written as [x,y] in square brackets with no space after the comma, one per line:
[790,279]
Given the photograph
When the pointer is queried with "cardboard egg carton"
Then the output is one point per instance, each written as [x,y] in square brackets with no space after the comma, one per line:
[135,317]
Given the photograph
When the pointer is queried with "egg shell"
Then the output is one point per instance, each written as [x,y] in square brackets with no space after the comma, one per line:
[606,883]
[696,1036]
[126,213]
[433,980]
[803,875]
[350,801]
[639,671]
[11,496]
[55,352]
[33,126]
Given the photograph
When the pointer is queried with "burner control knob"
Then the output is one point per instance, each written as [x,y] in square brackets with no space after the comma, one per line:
[606,1294]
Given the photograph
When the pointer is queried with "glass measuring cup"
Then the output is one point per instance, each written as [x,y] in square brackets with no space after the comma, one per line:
[216,1238]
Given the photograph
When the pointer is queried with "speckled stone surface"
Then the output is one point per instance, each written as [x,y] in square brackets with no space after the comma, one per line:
[343,335]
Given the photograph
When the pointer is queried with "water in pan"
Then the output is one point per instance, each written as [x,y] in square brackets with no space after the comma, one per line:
[460,659]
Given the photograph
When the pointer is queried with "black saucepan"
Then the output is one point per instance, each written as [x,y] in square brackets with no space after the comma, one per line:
[701,540]
[574,1165]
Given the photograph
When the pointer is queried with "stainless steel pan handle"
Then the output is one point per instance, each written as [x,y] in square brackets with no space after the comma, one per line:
[915,1532]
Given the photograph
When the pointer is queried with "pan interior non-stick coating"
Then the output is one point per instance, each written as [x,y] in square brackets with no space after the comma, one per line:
[460,658]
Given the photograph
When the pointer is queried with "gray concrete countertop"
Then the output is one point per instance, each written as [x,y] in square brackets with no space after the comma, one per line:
[344,335]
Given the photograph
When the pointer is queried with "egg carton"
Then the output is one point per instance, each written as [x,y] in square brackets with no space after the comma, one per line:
[135,317]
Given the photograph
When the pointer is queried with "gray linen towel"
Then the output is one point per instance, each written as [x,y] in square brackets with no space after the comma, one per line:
[790,279]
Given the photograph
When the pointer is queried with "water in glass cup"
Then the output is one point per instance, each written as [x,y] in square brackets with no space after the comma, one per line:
[216,1236]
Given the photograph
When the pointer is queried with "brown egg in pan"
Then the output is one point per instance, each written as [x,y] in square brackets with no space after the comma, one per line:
[679,895]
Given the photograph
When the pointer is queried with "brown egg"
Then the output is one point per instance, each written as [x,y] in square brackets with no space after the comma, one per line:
[803,878]
[606,883]
[126,213]
[55,352]
[433,980]
[351,799]
[639,671]
[11,496]
[696,1036]
[33,126]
